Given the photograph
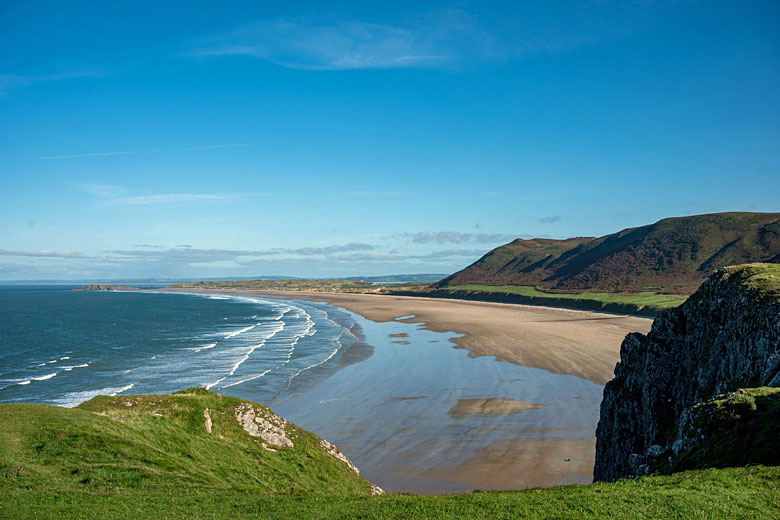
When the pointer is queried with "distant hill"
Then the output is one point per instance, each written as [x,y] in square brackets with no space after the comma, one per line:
[401,278]
[674,254]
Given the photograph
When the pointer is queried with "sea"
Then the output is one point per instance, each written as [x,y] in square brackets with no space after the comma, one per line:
[389,395]
[63,347]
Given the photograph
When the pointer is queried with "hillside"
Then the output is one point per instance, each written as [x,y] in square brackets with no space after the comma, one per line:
[690,394]
[673,255]
[153,457]
[191,441]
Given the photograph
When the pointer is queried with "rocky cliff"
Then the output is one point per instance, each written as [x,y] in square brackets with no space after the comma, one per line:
[725,337]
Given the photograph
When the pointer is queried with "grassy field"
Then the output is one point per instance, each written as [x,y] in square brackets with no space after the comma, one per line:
[151,457]
[331,285]
[710,494]
[642,299]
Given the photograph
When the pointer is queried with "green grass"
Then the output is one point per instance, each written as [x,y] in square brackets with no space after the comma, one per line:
[158,444]
[642,299]
[740,428]
[763,278]
[710,494]
[154,459]
[333,285]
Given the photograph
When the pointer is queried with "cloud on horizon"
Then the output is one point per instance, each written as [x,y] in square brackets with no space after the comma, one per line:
[43,253]
[454,237]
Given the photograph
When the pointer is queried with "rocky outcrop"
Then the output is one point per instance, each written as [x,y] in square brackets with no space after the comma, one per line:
[268,426]
[104,287]
[725,337]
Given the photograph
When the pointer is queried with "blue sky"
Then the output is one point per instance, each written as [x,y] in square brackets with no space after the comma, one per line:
[350,138]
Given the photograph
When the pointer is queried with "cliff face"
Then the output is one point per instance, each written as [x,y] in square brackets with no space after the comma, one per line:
[725,337]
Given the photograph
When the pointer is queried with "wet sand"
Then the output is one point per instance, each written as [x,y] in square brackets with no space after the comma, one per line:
[525,463]
[582,343]
[414,418]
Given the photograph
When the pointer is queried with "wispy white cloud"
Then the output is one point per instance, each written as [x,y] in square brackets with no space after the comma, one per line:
[101,190]
[445,39]
[552,219]
[331,42]
[167,198]
[9,82]
[44,253]
[112,195]
[135,152]
[352,246]
[454,237]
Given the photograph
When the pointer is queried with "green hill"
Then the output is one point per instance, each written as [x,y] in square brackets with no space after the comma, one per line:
[673,255]
[153,457]
[131,445]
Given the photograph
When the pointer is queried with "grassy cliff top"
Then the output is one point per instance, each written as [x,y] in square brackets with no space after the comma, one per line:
[152,457]
[764,278]
[162,444]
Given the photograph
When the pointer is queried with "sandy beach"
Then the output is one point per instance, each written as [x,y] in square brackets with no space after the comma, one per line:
[581,343]
[428,423]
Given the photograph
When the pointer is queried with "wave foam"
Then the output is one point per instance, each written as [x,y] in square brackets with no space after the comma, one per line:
[240,331]
[278,328]
[210,345]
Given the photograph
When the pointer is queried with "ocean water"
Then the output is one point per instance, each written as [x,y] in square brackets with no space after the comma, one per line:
[63,347]
[387,394]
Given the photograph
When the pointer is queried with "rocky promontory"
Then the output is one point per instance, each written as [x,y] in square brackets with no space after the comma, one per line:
[701,364]
[105,287]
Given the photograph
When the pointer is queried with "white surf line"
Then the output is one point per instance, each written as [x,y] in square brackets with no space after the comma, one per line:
[68,369]
[41,378]
[210,345]
[123,389]
[240,331]
[246,356]
[340,346]
[310,330]
[299,372]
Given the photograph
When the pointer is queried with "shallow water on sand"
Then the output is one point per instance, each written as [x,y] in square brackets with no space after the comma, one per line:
[420,415]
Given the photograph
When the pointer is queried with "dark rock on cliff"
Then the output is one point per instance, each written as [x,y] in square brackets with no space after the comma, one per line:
[103,287]
[725,337]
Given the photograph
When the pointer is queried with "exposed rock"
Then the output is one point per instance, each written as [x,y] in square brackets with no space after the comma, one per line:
[725,337]
[269,427]
[208,422]
[105,287]
[335,452]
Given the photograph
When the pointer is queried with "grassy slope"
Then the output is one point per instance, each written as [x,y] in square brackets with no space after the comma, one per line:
[763,278]
[672,254]
[740,428]
[158,445]
[640,299]
[72,463]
